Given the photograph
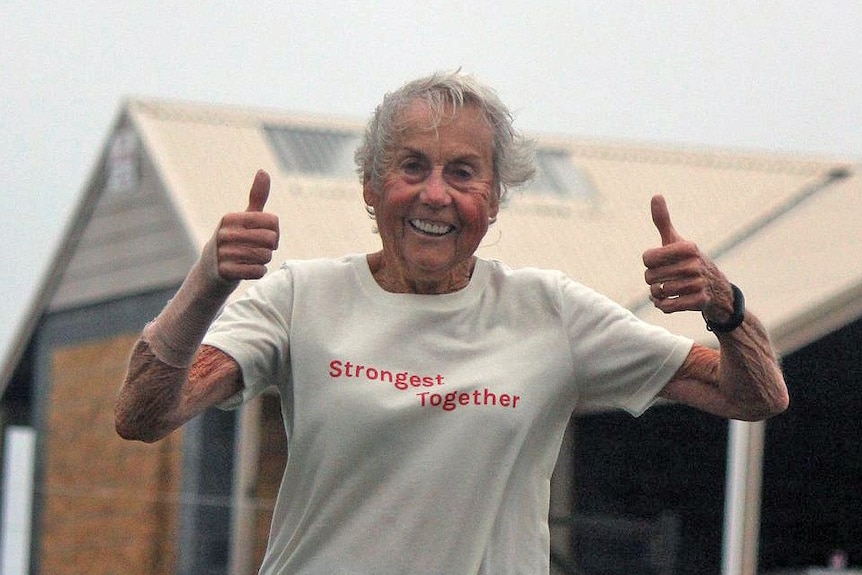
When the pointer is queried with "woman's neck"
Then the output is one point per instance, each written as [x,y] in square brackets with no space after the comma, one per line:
[392,279]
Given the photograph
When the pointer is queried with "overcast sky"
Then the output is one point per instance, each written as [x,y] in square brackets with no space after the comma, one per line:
[779,76]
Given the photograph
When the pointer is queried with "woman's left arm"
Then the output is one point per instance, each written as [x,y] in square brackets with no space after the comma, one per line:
[740,380]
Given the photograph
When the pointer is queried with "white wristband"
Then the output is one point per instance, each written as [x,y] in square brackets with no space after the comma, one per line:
[174,336]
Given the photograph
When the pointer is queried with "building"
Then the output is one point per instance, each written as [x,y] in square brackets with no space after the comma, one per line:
[674,491]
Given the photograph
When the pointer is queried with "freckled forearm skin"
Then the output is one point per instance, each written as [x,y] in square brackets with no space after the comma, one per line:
[750,371]
[742,380]
[156,398]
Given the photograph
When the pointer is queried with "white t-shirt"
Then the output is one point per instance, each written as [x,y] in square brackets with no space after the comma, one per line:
[423,429]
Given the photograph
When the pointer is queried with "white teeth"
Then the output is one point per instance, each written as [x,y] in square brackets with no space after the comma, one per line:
[430,227]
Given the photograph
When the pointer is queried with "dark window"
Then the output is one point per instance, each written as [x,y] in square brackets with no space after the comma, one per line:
[812,468]
[669,462]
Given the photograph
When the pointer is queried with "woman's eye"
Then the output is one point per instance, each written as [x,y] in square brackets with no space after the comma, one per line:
[461,172]
[411,166]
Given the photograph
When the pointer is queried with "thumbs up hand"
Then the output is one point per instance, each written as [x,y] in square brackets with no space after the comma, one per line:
[680,276]
[245,240]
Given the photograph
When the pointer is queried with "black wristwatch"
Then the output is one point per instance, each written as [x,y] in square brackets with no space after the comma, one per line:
[736,317]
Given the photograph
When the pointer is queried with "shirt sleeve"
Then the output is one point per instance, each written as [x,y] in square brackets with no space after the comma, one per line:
[620,361]
[255,331]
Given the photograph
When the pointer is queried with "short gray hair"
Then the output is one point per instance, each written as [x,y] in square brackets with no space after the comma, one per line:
[513,154]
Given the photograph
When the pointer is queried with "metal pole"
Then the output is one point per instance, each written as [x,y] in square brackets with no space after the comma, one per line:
[246,451]
[742,498]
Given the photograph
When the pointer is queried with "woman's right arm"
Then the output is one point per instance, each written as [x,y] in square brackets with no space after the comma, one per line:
[171,377]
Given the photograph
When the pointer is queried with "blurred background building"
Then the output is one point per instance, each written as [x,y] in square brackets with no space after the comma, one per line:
[675,491]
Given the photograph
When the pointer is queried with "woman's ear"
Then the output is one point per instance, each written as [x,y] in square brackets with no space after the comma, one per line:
[370,196]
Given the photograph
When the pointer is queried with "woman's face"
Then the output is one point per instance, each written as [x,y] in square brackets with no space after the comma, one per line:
[437,198]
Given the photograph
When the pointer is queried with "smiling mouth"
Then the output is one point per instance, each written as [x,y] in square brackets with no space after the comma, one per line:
[431,228]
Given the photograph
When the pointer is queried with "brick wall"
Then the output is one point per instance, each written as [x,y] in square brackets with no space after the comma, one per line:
[110,506]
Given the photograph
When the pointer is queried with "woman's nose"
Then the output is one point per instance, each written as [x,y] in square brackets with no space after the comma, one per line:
[435,192]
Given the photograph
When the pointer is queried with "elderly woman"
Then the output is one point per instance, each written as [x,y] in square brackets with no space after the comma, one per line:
[425,390]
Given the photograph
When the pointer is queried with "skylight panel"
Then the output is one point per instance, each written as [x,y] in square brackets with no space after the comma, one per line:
[557,175]
[314,152]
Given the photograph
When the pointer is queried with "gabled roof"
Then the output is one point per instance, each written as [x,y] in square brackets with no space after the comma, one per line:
[786,229]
